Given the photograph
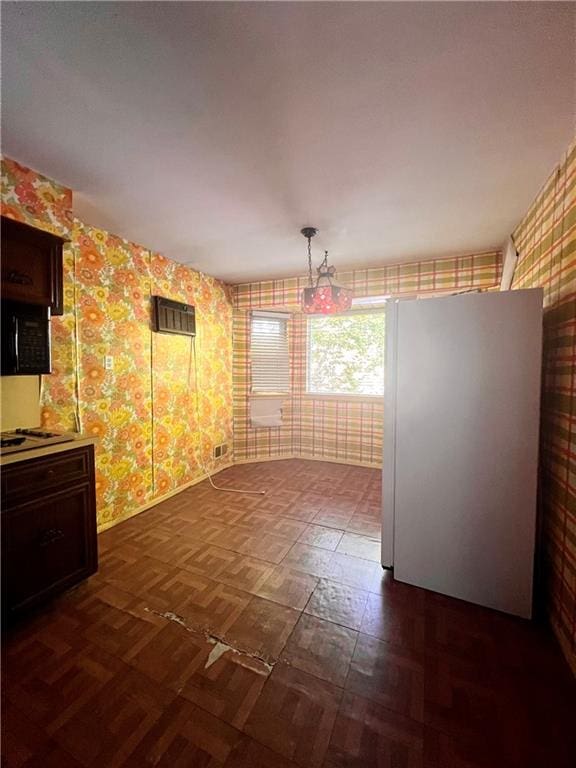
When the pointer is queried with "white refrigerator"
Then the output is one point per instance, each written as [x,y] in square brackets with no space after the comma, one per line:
[461,421]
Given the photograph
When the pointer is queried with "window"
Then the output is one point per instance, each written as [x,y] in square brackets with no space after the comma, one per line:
[346,354]
[269,353]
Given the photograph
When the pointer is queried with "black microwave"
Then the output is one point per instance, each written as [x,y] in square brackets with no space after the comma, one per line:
[25,336]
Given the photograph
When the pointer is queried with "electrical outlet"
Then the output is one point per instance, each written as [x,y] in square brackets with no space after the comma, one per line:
[109,363]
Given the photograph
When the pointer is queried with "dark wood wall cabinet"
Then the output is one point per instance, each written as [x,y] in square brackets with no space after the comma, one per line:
[31,266]
[48,527]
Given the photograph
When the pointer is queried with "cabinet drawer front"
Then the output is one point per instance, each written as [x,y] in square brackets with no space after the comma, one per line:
[47,544]
[30,477]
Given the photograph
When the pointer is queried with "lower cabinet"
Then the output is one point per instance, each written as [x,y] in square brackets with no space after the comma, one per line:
[48,527]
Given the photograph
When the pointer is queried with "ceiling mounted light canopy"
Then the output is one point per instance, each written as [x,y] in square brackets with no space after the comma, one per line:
[322,296]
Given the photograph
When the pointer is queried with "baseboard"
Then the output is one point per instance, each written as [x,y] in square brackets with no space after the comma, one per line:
[261,459]
[160,499]
[201,478]
[308,457]
[367,464]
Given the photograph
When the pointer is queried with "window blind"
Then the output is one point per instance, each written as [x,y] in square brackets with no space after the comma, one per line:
[269,361]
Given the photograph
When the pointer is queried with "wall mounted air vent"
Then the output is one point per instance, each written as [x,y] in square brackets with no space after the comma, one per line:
[173,317]
[220,450]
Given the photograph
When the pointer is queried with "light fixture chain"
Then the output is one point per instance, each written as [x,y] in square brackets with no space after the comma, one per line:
[321,298]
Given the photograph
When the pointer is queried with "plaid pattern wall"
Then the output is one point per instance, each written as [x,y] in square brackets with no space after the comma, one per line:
[457,273]
[346,430]
[546,244]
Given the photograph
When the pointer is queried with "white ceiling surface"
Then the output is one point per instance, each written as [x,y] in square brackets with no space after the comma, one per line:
[212,132]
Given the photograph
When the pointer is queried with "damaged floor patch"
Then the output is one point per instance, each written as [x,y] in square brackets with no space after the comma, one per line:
[250,660]
[171,617]
[219,650]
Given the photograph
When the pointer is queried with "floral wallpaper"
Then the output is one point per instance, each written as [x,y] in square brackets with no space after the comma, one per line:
[153,434]
[144,410]
[36,200]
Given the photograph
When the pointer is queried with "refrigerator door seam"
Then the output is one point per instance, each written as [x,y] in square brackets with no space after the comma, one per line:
[389,442]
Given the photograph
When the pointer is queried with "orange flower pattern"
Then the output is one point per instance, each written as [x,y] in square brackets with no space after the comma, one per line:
[155,424]
[36,200]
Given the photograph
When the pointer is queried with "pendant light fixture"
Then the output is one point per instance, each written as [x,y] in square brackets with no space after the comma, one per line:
[322,296]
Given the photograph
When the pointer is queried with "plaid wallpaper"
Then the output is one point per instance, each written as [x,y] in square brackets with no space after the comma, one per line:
[457,273]
[546,243]
[347,430]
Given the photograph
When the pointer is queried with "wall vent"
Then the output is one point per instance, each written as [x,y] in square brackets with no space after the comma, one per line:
[220,450]
[173,317]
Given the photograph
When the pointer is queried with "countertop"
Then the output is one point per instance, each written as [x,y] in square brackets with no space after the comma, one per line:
[47,450]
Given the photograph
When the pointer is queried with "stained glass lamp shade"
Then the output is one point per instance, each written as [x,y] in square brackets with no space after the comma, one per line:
[322,296]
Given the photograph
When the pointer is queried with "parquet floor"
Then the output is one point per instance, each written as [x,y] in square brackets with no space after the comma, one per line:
[236,631]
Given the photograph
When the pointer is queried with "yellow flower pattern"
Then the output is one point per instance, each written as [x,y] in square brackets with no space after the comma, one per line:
[144,410]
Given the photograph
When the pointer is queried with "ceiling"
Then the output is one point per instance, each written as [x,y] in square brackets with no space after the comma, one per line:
[212,132]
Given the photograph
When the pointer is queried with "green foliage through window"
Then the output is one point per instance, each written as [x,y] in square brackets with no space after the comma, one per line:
[346,354]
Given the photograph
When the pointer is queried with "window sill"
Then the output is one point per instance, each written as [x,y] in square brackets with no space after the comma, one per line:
[345,398]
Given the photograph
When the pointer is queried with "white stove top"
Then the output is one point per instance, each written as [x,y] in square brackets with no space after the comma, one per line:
[27,439]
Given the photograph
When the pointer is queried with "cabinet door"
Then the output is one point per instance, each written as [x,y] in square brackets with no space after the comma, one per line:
[31,265]
[47,545]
